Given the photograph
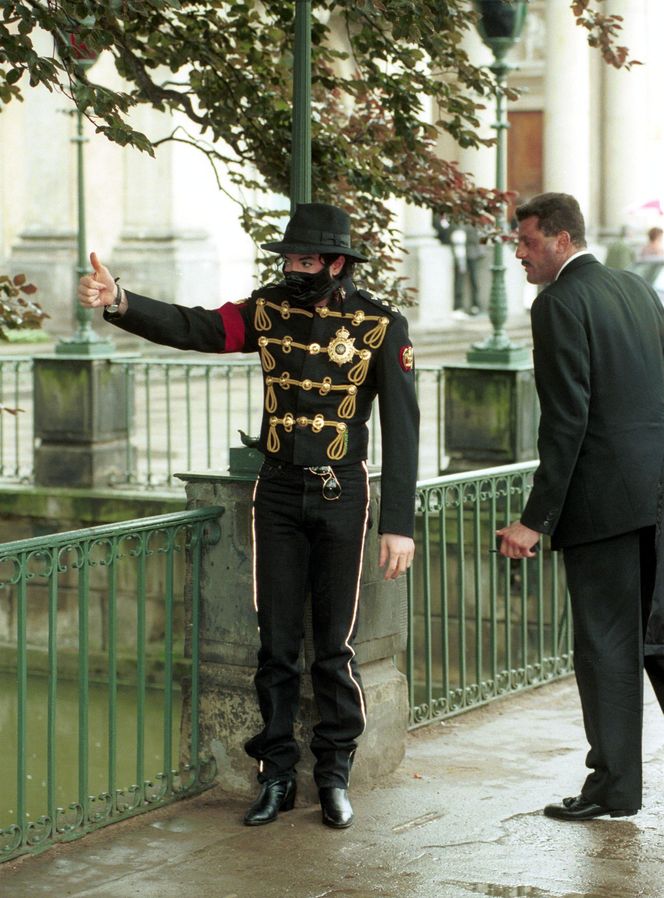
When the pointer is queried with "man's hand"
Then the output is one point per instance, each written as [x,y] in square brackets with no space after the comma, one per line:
[396,554]
[97,289]
[518,540]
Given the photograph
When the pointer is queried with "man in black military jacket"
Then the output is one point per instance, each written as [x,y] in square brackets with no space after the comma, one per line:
[598,338]
[327,350]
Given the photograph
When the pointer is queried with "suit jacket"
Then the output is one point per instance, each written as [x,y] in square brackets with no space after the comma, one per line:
[598,338]
[322,369]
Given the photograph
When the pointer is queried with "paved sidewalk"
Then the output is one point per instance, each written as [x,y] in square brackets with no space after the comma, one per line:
[461,818]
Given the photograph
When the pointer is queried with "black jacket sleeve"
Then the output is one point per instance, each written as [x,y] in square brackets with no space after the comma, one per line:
[399,422]
[203,330]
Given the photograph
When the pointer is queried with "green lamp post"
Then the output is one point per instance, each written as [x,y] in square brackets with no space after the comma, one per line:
[85,341]
[300,176]
[500,24]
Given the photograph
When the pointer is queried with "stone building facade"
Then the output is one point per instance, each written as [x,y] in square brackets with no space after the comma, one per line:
[163,225]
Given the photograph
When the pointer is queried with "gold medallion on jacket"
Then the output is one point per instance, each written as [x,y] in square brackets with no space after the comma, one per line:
[341,348]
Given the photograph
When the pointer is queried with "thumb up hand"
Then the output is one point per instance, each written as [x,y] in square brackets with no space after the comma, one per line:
[97,289]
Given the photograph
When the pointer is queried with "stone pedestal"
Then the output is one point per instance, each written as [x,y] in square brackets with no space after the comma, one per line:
[82,407]
[169,266]
[491,415]
[229,712]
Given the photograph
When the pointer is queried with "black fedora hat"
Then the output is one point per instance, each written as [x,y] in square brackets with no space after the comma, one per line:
[317,228]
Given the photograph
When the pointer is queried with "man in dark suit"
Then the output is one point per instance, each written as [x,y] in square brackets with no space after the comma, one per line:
[598,337]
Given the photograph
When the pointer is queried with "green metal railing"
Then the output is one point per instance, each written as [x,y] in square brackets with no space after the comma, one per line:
[101,666]
[184,414]
[16,427]
[479,626]
[188,414]
[124,683]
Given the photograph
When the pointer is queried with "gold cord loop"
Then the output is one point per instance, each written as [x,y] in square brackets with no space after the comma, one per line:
[376,335]
[261,318]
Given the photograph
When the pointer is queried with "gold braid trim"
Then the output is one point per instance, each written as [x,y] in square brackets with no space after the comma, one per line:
[261,318]
[270,397]
[335,451]
[373,338]
[273,443]
[358,372]
[285,309]
[267,359]
[376,335]
[285,381]
[347,407]
[337,448]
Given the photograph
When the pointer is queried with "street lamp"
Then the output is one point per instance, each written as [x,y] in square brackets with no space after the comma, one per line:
[300,181]
[500,24]
[85,341]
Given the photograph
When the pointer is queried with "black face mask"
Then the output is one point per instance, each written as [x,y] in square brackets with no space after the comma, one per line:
[305,289]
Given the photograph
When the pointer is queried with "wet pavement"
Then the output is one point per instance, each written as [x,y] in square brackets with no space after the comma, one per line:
[460,818]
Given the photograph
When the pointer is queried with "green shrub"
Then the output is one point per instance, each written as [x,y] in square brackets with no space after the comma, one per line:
[17,310]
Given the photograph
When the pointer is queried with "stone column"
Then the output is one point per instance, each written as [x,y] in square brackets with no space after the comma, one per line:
[429,268]
[163,249]
[481,161]
[46,246]
[229,644]
[567,113]
[625,116]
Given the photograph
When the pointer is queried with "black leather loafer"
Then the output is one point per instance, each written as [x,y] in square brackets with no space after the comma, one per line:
[275,796]
[579,809]
[337,810]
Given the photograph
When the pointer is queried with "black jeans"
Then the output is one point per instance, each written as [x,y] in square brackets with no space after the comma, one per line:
[611,585]
[302,542]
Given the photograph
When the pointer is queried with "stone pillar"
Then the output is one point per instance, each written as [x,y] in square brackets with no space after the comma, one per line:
[429,267]
[46,247]
[567,113]
[163,251]
[626,113]
[491,415]
[480,161]
[82,407]
[229,644]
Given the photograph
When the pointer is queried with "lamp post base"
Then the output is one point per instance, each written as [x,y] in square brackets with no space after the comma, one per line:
[85,346]
[491,353]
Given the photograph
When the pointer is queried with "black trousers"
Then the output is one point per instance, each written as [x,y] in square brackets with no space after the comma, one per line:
[302,542]
[611,585]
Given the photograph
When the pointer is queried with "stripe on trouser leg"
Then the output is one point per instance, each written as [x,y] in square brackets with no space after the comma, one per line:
[254,552]
[360,694]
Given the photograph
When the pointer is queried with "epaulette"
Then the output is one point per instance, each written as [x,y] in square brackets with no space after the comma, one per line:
[382,304]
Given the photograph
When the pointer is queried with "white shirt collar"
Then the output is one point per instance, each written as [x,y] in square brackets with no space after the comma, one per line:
[581,252]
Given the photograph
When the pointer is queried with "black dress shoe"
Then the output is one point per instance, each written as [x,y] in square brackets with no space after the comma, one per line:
[275,795]
[337,810]
[580,809]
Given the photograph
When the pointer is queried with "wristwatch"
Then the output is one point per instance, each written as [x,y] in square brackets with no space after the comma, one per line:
[113,311]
